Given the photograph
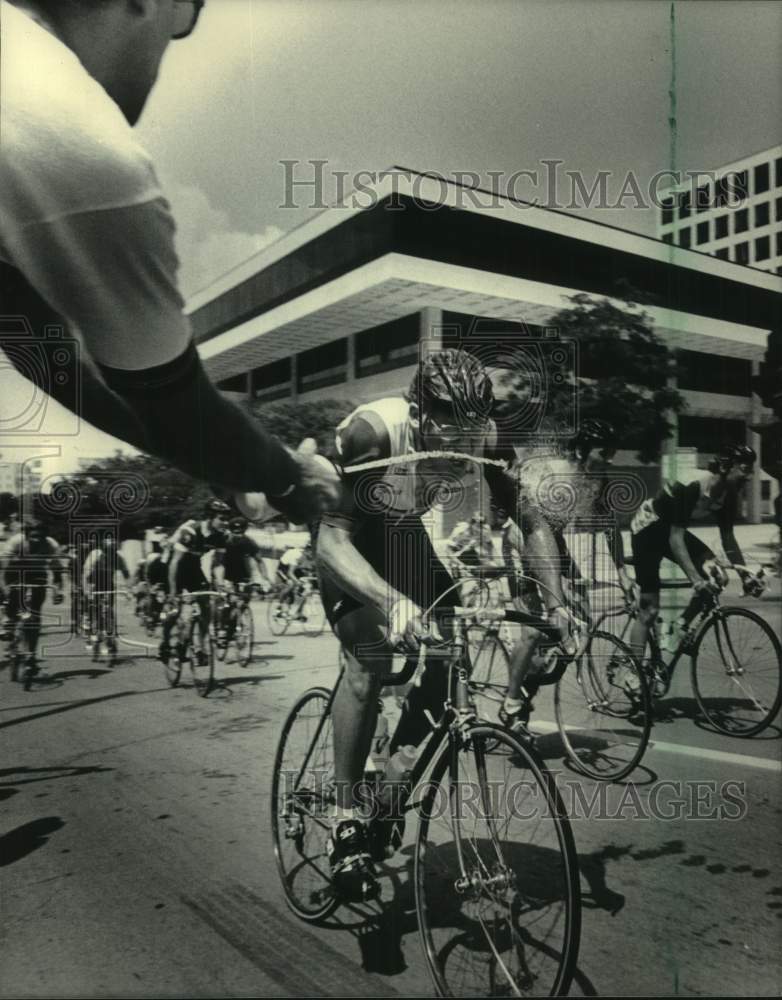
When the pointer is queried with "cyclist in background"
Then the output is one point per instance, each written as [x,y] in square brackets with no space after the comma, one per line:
[294,565]
[470,544]
[589,453]
[232,570]
[659,530]
[26,560]
[99,573]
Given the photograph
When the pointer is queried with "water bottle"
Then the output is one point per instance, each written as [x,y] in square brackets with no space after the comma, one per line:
[397,775]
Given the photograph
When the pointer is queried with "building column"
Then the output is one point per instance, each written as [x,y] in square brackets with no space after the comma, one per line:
[670,447]
[430,327]
[754,441]
[351,358]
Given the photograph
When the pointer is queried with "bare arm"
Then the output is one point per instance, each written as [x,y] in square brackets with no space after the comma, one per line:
[340,559]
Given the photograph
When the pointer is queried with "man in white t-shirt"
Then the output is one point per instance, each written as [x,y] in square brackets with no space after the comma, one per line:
[87,244]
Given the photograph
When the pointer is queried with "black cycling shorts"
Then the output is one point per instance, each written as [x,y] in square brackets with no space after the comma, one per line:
[401,553]
[653,544]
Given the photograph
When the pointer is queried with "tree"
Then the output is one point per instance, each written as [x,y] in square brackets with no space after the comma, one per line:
[292,422]
[620,374]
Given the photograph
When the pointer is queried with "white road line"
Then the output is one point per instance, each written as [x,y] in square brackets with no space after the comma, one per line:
[685,750]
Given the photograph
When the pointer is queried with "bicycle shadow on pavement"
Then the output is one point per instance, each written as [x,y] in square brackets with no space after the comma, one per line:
[46,774]
[18,843]
[225,684]
[82,703]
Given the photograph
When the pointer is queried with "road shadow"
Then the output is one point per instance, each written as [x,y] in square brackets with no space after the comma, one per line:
[251,680]
[25,839]
[71,706]
[91,672]
[33,774]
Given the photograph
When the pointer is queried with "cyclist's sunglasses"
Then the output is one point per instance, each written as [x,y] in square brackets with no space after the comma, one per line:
[186,14]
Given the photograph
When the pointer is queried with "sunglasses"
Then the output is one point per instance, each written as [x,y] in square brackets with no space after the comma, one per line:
[186,14]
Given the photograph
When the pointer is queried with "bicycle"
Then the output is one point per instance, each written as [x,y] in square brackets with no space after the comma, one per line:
[23,664]
[237,625]
[189,643]
[101,616]
[303,606]
[152,607]
[735,662]
[498,911]
[602,703]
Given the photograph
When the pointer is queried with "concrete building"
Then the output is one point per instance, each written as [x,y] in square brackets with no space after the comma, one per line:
[339,306]
[734,213]
[19,477]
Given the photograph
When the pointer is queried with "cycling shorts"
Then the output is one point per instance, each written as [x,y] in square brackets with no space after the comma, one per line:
[402,554]
[653,544]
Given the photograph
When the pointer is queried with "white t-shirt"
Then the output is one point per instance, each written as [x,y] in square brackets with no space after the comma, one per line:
[82,216]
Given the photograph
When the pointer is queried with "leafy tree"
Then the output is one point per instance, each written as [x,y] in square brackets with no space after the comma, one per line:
[292,422]
[621,375]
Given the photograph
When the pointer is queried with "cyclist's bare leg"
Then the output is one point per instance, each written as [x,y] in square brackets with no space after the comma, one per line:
[648,609]
[520,665]
[354,713]
[32,627]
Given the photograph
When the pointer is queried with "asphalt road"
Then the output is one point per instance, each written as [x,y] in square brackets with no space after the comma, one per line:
[136,852]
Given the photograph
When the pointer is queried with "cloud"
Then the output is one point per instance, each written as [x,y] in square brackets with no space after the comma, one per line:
[207,244]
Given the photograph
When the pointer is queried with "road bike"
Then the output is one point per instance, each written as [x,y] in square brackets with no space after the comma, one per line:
[232,623]
[303,606]
[602,702]
[735,661]
[101,630]
[23,664]
[495,870]
[189,642]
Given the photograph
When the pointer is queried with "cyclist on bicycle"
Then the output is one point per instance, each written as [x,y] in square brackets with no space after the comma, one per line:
[186,546]
[99,573]
[659,530]
[232,571]
[26,561]
[589,452]
[379,568]
[294,565]
[470,543]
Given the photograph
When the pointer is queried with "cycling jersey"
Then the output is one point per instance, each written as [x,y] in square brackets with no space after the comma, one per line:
[34,559]
[205,538]
[99,569]
[382,509]
[236,558]
[676,504]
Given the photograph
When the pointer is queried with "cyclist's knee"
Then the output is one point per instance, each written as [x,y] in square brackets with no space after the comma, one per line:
[648,608]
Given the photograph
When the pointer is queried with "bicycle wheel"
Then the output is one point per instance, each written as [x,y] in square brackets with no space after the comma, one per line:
[603,709]
[737,672]
[490,663]
[277,616]
[244,636]
[177,654]
[314,617]
[496,872]
[302,797]
[202,660]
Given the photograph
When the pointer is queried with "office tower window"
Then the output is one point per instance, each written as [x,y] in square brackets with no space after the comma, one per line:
[708,433]
[761,178]
[762,248]
[324,365]
[703,232]
[667,237]
[667,211]
[272,381]
[389,346]
[741,253]
[703,198]
[779,244]
[714,373]
[741,221]
[762,214]
[684,238]
[723,253]
[739,184]
[778,172]
[720,227]
[685,204]
[778,211]
[236,383]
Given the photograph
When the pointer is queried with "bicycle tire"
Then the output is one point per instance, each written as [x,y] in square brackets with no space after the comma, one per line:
[245,636]
[715,686]
[300,807]
[466,865]
[314,614]
[490,667]
[277,618]
[176,656]
[202,674]
[604,710]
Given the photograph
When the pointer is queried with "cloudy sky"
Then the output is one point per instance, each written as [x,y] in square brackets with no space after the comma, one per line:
[482,87]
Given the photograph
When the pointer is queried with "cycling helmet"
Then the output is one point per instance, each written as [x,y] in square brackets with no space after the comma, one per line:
[238,525]
[216,508]
[456,379]
[735,454]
